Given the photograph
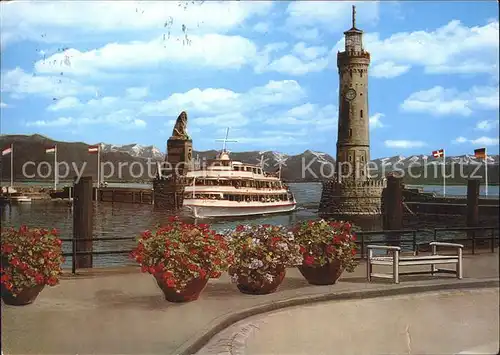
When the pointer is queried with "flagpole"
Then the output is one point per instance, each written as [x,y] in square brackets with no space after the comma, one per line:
[444,173]
[55,167]
[12,166]
[98,171]
[486,171]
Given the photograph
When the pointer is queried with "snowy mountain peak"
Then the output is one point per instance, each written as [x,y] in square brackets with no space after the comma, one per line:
[135,150]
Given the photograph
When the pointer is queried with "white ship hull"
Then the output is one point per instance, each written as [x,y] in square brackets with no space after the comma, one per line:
[237,210]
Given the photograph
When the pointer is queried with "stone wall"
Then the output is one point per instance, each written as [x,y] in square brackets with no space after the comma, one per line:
[352,198]
[169,193]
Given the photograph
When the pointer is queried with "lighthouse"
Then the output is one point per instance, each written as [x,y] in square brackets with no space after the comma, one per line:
[352,192]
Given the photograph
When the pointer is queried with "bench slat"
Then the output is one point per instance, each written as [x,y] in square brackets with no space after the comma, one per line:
[426,262]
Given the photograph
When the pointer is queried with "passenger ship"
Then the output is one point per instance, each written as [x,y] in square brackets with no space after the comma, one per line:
[228,188]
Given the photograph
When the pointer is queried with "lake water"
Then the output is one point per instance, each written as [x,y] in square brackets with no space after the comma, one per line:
[129,220]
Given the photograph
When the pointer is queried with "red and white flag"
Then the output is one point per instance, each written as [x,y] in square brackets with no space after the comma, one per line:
[50,149]
[438,153]
[6,151]
[93,149]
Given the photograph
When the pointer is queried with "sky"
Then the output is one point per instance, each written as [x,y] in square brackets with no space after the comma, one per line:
[121,72]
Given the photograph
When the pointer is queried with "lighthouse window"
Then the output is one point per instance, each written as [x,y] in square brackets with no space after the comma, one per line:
[350,73]
[362,158]
[350,157]
[350,132]
[361,73]
[361,113]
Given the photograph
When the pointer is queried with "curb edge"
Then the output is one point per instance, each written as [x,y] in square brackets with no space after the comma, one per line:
[191,347]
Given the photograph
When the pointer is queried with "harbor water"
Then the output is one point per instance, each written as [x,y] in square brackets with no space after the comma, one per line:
[129,220]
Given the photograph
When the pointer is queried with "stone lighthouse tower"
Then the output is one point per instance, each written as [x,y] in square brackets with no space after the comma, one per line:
[352,191]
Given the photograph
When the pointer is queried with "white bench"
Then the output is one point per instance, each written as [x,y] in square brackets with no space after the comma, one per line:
[396,261]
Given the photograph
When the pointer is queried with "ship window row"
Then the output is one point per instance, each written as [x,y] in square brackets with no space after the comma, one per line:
[240,183]
[248,168]
[241,198]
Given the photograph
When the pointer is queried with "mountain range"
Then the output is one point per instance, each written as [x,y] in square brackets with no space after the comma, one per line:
[32,148]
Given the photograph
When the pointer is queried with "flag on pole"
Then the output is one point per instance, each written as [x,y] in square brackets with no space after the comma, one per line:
[6,151]
[50,150]
[480,153]
[438,153]
[93,149]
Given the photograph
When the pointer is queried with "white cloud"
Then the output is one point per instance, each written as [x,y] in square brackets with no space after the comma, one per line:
[309,53]
[329,16]
[375,121]
[59,122]
[451,49]
[460,140]
[65,104]
[312,116]
[439,101]
[20,83]
[222,101]
[235,119]
[484,141]
[137,92]
[486,125]
[122,119]
[302,110]
[303,60]
[210,50]
[3,104]
[388,70]
[55,22]
[404,144]
[261,27]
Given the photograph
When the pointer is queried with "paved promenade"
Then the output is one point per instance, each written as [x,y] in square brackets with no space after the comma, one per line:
[123,311]
[445,322]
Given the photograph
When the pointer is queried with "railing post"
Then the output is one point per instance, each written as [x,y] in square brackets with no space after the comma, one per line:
[435,234]
[83,222]
[362,246]
[472,204]
[73,258]
[392,200]
[492,242]
[473,242]
[414,242]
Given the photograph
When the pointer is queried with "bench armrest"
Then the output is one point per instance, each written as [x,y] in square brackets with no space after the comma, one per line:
[383,247]
[443,244]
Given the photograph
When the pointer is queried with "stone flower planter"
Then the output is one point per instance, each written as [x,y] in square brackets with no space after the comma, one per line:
[25,297]
[190,293]
[262,286]
[327,274]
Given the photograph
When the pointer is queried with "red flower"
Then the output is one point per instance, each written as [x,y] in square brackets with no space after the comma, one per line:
[240,228]
[215,274]
[52,281]
[302,249]
[203,273]
[308,259]
[170,282]
[144,268]
[39,279]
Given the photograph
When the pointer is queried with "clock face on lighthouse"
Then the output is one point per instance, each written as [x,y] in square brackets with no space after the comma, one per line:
[350,94]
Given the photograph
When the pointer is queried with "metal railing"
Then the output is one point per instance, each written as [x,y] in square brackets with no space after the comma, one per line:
[391,237]
[473,237]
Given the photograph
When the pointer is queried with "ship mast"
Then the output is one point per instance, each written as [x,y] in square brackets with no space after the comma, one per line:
[225,141]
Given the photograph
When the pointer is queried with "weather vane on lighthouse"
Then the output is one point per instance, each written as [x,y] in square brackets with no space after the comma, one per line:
[353,16]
